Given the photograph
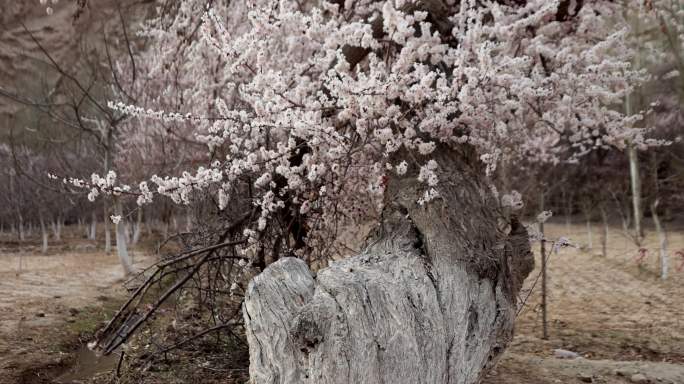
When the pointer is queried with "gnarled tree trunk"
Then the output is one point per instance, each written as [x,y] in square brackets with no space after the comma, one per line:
[431,299]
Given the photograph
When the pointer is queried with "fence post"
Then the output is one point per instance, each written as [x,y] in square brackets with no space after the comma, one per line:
[545,332]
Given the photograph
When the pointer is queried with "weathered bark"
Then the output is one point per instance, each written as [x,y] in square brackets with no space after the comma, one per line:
[431,299]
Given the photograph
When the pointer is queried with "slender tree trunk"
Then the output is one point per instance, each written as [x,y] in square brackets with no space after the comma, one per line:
[138,226]
[43,233]
[662,234]
[93,226]
[57,229]
[109,143]
[432,299]
[127,231]
[604,232]
[635,180]
[22,234]
[188,221]
[148,224]
[590,238]
[625,222]
[166,230]
[121,246]
[567,200]
[108,235]
[542,251]
[20,217]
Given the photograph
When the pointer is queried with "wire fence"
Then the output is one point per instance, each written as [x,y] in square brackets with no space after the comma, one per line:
[621,253]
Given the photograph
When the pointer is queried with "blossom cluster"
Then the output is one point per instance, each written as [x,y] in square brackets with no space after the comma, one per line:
[316,106]
[48,8]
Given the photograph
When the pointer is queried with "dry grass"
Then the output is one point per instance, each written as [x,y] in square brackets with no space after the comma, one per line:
[620,316]
[608,309]
[49,303]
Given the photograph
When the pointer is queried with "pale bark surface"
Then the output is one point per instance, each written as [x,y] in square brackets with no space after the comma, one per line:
[635,181]
[121,245]
[431,299]
[43,234]
[92,234]
[138,226]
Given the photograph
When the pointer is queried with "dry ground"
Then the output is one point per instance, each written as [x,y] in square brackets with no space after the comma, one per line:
[48,302]
[617,315]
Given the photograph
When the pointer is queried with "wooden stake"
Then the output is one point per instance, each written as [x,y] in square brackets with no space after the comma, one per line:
[545,331]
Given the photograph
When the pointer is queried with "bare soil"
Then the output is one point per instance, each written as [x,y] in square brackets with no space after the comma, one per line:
[49,305]
[615,313]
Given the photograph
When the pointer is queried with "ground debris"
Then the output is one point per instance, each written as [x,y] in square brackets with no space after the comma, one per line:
[565,354]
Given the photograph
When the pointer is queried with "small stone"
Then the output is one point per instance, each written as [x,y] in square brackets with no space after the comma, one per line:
[624,372]
[564,354]
[638,378]
[585,378]
[73,311]
[40,314]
